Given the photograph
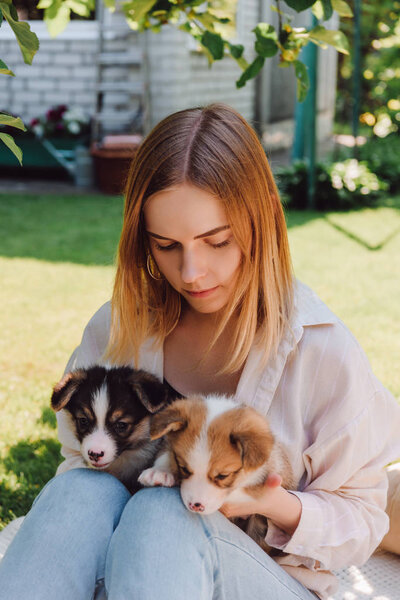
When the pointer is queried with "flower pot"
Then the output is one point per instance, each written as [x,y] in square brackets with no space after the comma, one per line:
[112,159]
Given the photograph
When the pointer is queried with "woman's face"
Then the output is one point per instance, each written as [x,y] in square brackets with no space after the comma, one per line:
[193,245]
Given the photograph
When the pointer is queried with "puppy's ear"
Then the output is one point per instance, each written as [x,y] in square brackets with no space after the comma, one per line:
[62,392]
[252,437]
[172,418]
[152,393]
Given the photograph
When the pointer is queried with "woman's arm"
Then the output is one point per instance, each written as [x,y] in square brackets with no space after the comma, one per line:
[277,504]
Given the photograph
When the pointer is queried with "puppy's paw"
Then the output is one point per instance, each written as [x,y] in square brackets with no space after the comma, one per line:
[153,477]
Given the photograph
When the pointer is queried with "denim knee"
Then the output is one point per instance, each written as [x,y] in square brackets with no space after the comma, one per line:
[157,500]
[155,513]
[85,489]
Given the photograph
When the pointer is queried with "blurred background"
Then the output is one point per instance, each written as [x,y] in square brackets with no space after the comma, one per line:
[318,80]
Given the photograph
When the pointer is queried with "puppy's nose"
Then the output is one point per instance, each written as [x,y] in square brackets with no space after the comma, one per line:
[94,456]
[196,506]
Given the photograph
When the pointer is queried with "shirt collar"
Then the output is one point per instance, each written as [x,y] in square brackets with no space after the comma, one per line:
[309,309]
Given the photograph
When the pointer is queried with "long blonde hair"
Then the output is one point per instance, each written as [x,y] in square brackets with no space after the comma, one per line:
[215,149]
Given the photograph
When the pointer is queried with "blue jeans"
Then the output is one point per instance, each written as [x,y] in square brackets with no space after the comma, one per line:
[85,531]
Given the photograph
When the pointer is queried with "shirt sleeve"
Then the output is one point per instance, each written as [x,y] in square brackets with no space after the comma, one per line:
[344,497]
[89,352]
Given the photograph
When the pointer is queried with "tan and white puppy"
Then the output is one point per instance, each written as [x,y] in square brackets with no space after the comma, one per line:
[217,449]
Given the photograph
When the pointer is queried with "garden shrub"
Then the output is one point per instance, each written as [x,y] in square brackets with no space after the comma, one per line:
[339,186]
[383,158]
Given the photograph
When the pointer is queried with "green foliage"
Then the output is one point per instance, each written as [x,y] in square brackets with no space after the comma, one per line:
[383,158]
[207,22]
[380,85]
[4,70]
[212,24]
[29,44]
[8,140]
[339,186]
[27,40]
[300,5]
[15,122]
[57,13]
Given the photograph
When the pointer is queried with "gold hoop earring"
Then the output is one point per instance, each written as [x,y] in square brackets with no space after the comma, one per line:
[149,259]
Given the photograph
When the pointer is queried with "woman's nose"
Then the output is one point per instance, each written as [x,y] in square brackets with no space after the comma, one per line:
[192,267]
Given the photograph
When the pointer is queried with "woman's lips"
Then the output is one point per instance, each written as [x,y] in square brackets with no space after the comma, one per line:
[202,293]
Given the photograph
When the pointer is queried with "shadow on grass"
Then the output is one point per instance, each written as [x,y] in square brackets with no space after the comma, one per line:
[76,229]
[358,239]
[27,467]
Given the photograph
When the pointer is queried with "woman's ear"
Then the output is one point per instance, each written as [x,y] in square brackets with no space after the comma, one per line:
[172,418]
[64,389]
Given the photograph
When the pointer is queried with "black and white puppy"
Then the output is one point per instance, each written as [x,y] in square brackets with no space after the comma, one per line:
[109,413]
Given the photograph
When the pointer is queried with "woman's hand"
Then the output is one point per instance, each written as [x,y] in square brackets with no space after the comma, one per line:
[276,503]
[253,505]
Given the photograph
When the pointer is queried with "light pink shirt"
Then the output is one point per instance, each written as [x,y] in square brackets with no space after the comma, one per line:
[340,425]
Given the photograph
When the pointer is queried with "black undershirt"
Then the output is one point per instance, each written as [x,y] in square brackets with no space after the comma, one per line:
[172,391]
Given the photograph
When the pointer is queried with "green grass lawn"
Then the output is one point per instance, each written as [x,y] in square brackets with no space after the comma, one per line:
[56,269]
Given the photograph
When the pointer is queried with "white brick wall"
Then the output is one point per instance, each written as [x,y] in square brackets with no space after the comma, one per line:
[63,71]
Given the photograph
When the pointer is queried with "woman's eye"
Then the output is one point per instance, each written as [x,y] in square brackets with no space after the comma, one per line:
[169,247]
[221,476]
[222,244]
[120,426]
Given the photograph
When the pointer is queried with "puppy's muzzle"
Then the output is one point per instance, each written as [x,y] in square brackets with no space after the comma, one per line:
[95,456]
[196,506]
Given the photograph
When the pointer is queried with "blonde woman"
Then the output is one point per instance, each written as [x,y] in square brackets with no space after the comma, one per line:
[205,298]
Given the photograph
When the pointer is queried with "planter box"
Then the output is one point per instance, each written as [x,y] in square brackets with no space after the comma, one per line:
[112,159]
[35,154]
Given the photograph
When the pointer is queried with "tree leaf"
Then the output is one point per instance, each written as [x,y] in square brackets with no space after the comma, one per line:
[9,141]
[214,44]
[300,5]
[303,82]
[80,7]
[4,70]
[318,10]
[266,44]
[342,8]
[137,9]
[57,18]
[27,40]
[11,121]
[236,50]
[252,70]
[337,39]
[327,9]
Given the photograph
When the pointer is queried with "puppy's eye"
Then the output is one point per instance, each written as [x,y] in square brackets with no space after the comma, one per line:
[221,476]
[83,422]
[184,471]
[120,426]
